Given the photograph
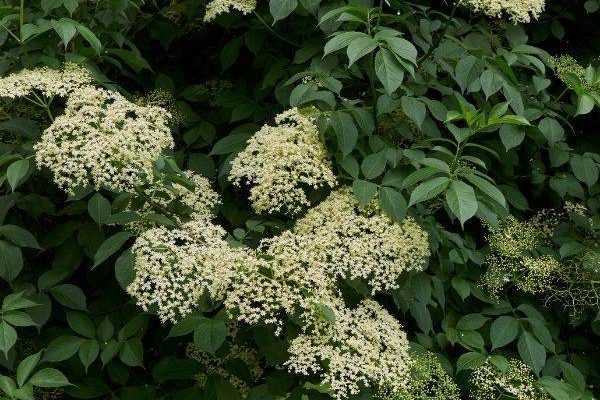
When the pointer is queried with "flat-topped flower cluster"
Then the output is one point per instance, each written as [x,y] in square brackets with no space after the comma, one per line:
[46,82]
[281,162]
[522,11]
[105,141]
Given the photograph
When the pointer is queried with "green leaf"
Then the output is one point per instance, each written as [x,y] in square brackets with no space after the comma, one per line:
[471,322]
[345,132]
[463,73]
[99,208]
[69,296]
[373,165]
[414,109]
[19,236]
[511,136]
[402,48]
[470,360]
[428,190]
[8,337]
[340,41]
[110,350]
[90,37]
[185,326]
[359,48]
[16,301]
[573,376]
[62,348]
[66,29]
[461,200]
[81,323]
[490,83]
[132,58]
[503,331]
[388,71]
[585,104]
[392,203]
[461,286]
[230,144]
[88,352]
[364,191]
[11,261]
[557,389]
[49,378]
[27,366]
[16,172]
[532,352]
[230,53]
[7,385]
[110,246]
[71,5]
[210,334]
[280,9]
[124,269]
[487,188]
[49,5]
[18,318]
[132,353]
[585,169]
[551,130]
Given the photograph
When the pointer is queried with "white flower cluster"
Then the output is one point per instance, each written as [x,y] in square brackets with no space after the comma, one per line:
[216,7]
[294,275]
[174,268]
[517,10]
[177,201]
[281,162]
[347,241]
[45,81]
[362,347]
[103,140]
[517,381]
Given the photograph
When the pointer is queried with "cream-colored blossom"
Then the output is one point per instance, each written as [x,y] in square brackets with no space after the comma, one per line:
[45,81]
[280,162]
[266,291]
[103,140]
[217,7]
[517,381]
[347,241]
[362,347]
[516,10]
[174,268]
[178,201]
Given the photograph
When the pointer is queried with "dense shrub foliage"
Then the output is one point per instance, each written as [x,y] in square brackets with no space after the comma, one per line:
[299,199]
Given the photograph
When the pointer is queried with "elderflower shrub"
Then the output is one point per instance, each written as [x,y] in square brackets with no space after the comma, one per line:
[518,11]
[174,268]
[217,7]
[191,197]
[428,379]
[103,140]
[281,162]
[45,81]
[516,380]
[352,242]
[361,347]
